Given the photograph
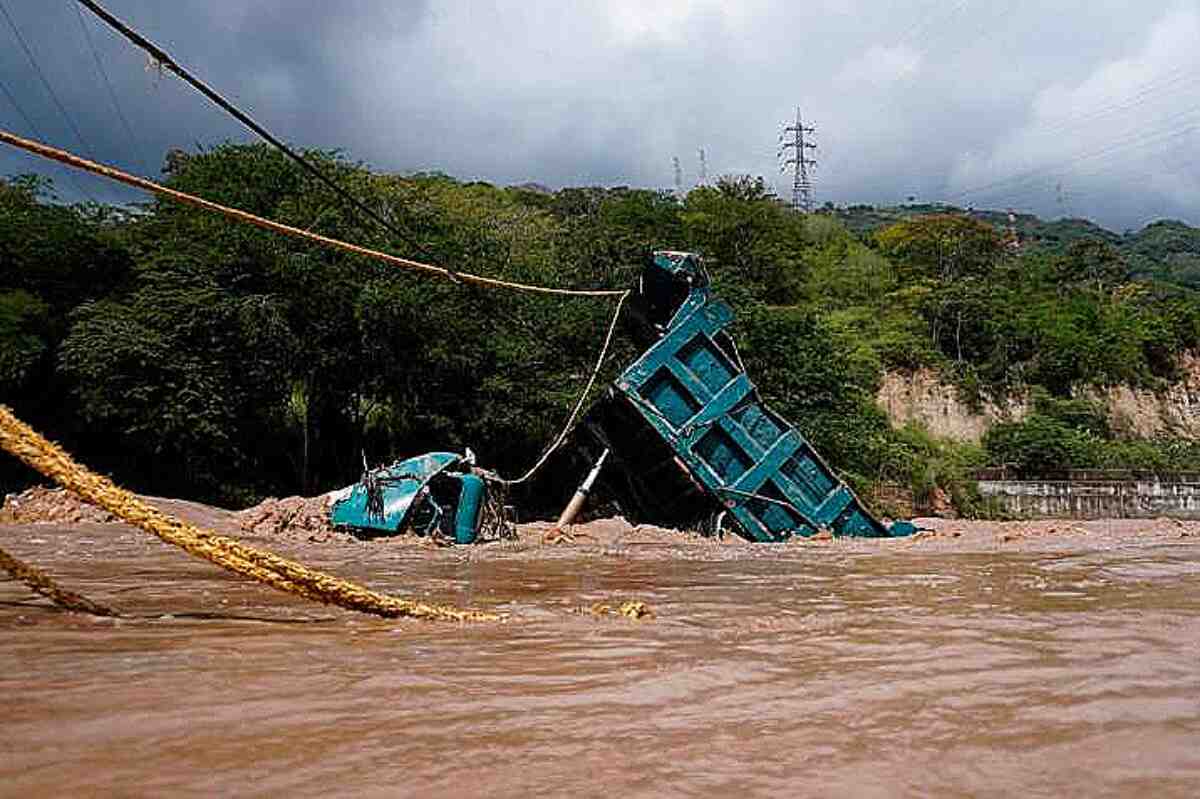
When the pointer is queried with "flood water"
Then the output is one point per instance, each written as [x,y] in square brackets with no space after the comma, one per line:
[852,669]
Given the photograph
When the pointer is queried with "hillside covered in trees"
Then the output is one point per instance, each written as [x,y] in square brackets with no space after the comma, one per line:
[190,356]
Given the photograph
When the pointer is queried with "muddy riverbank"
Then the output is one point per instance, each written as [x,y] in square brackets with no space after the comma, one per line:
[978,659]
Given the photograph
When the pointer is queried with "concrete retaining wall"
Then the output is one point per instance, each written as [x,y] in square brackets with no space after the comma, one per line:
[1140,498]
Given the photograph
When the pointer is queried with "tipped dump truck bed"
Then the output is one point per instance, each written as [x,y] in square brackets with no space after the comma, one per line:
[693,442]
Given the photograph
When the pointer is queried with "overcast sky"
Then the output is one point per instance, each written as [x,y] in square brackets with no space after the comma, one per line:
[1060,107]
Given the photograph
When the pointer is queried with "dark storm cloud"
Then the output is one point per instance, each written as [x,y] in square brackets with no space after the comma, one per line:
[1070,106]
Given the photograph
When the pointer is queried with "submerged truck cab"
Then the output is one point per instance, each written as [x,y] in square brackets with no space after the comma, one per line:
[437,494]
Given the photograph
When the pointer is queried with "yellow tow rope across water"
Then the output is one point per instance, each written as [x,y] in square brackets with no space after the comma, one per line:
[42,583]
[266,567]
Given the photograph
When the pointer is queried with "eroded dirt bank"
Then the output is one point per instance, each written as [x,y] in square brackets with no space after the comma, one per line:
[1039,659]
[305,520]
[925,398]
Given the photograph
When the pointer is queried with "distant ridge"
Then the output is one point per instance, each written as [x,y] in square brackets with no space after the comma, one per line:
[1166,250]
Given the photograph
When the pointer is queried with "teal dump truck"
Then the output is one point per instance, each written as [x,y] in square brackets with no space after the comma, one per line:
[692,445]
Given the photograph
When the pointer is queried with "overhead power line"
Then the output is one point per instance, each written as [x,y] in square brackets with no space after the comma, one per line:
[1137,140]
[29,120]
[13,101]
[46,83]
[164,60]
[37,132]
[1097,180]
[1067,122]
[112,95]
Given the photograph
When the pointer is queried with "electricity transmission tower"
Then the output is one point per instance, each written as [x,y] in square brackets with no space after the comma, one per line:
[1064,200]
[794,138]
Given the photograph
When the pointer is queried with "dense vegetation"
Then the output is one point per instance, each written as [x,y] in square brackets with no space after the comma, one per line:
[191,356]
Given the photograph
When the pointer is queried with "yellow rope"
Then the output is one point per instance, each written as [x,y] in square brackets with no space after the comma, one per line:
[64,157]
[266,567]
[41,582]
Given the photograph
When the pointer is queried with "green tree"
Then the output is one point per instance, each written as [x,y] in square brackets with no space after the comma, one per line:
[749,239]
[24,326]
[944,246]
[1092,264]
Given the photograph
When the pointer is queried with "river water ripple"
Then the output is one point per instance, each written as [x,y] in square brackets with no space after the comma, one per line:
[857,670]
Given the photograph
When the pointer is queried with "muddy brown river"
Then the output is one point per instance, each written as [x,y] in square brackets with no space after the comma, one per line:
[988,664]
